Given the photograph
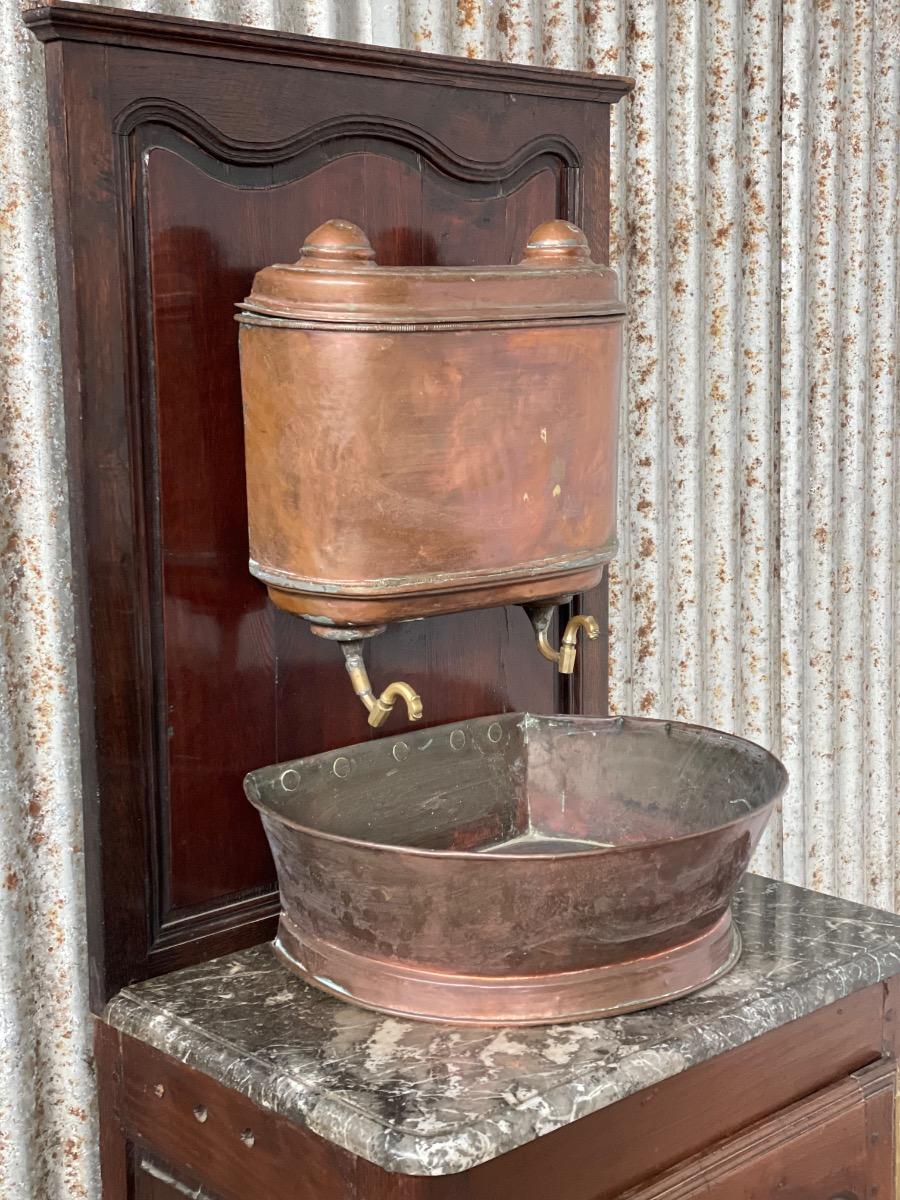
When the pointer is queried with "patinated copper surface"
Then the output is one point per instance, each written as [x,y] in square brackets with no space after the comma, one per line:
[427,440]
[516,869]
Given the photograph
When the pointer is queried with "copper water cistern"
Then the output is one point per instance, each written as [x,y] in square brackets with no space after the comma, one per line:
[397,470]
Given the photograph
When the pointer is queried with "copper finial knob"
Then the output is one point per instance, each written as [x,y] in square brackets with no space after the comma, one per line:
[557,241]
[339,240]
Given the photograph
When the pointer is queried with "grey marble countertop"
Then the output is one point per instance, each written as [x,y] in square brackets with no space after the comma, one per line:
[432,1100]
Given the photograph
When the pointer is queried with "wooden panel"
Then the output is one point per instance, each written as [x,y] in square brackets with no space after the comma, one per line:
[236,679]
[116,1159]
[236,689]
[834,1146]
[185,158]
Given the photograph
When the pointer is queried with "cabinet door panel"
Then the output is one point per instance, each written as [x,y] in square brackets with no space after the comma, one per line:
[835,1145]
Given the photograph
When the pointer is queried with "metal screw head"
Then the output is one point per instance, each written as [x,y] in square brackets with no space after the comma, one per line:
[400,751]
[290,780]
[495,731]
[341,767]
[457,739]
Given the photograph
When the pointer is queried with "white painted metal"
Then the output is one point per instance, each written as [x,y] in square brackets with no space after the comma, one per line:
[46,1104]
[755,200]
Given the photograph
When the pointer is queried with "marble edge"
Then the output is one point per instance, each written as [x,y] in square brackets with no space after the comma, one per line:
[341,1122]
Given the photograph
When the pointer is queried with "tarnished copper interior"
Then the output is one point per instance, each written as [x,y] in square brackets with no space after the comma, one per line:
[516,869]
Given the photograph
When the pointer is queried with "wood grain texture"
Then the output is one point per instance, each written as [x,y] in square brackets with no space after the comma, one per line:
[835,1145]
[112,26]
[170,191]
[116,1159]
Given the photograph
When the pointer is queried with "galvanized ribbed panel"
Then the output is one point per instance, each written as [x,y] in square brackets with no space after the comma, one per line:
[46,1094]
[755,199]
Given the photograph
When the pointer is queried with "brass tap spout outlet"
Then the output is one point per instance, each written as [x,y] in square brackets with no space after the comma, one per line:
[379,708]
[541,616]
[568,648]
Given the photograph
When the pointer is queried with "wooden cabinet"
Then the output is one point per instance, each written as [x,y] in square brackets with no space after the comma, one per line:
[834,1145]
[805,1112]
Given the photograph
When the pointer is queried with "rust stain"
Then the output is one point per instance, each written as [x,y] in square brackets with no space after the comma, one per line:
[467,11]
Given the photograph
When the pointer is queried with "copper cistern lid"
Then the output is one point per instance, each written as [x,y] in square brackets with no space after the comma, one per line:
[337,280]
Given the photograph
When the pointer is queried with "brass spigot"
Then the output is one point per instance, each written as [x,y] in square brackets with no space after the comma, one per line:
[379,708]
[541,616]
[568,648]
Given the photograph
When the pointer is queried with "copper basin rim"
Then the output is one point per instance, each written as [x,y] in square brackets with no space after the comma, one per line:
[516,869]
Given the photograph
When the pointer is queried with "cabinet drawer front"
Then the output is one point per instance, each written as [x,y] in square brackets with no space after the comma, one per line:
[835,1145]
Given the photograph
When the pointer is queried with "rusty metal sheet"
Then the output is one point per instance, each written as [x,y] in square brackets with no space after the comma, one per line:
[47,1130]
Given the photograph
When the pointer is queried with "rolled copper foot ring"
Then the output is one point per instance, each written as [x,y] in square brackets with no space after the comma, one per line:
[602,991]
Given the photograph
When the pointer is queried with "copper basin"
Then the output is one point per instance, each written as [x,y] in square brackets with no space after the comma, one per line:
[516,869]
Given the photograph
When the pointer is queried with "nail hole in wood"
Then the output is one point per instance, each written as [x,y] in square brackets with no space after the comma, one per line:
[247,1138]
[200,1113]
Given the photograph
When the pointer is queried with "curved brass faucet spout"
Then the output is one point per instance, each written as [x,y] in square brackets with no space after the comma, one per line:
[381,708]
[568,648]
[541,616]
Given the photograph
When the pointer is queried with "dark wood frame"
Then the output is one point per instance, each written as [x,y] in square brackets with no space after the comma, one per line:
[120,84]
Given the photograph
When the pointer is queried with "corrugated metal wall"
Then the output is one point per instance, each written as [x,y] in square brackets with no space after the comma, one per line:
[758,584]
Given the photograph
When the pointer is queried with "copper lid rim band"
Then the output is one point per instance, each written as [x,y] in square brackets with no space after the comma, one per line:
[375,321]
[457,580]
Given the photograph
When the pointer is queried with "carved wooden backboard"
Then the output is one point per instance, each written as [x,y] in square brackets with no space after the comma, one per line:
[187,155]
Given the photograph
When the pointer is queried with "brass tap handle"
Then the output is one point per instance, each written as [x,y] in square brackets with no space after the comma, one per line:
[381,708]
[541,616]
